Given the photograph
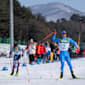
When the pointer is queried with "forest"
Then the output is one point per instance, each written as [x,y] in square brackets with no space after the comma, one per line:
[27,25]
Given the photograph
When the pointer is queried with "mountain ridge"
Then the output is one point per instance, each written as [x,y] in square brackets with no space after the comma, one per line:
[54,11]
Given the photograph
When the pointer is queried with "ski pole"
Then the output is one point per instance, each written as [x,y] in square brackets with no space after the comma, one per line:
[47,36]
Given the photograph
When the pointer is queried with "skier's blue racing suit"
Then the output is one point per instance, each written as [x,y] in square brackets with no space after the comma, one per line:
[64,43]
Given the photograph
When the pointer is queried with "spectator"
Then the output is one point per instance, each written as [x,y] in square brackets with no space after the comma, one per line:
[48,51]
[32,51]
[52,45]
[40,51]
[17,51]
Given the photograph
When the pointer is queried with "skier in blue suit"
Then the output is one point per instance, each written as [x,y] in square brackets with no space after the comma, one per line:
[64,43]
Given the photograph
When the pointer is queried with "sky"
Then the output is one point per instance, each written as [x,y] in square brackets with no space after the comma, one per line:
[77,4]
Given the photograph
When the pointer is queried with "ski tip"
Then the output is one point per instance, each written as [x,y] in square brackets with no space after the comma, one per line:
[8,75]
[60,79]
[79,78]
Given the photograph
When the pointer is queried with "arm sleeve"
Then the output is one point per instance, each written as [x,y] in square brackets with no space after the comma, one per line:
[73,42]
[27,46]
[54,38]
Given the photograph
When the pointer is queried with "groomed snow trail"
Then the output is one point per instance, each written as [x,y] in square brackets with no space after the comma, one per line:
[43,74]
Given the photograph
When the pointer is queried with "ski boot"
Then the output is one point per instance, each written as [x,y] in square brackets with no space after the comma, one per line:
[12,73]
[17,73]
[73,76]
[61,76]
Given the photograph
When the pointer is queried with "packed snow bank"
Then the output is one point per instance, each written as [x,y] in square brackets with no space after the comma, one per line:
[43,74]
[5,49]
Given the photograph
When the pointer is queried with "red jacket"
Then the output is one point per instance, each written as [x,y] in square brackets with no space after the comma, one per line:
[40,49]
[43,49]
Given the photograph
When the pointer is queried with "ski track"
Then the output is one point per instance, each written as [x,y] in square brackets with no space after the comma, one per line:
[43,74]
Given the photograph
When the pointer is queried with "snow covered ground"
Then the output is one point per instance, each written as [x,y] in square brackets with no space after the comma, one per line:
[43,74]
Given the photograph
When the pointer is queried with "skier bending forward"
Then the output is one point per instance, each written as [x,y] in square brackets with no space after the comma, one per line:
[64,43]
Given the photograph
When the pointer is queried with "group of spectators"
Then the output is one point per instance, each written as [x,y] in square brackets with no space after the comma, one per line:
[42,52]
[45,52]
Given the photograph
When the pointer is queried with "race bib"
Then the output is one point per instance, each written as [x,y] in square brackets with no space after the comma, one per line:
[64,44]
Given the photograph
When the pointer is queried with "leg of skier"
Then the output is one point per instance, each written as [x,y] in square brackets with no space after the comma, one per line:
[18,64]
[14,63]
[17,71]
[68,60]
[62,59]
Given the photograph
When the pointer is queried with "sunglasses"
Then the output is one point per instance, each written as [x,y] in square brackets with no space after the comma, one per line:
[64,33]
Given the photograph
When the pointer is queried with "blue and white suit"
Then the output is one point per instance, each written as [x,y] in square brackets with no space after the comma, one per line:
[64,43]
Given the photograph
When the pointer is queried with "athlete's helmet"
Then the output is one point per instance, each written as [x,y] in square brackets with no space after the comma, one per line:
[63,32]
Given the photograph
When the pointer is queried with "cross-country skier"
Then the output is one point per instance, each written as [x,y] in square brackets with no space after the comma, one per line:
[17,53]
[64,43]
